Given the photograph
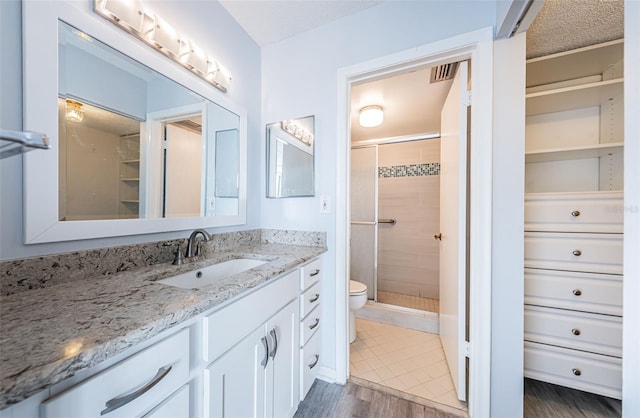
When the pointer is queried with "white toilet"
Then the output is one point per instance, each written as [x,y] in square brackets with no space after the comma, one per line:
[357,299]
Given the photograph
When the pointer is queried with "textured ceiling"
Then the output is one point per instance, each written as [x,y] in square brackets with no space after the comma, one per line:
[268,21]
[562,25]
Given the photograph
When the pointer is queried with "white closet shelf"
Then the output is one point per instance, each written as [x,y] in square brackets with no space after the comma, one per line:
[574,97]
[130,179]
[577,63]
[572,153]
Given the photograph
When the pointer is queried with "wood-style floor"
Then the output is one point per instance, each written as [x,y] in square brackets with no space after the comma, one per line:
[550,401]
[352,400]
[541,400]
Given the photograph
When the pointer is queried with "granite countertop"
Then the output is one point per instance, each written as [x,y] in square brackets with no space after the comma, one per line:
[50,334]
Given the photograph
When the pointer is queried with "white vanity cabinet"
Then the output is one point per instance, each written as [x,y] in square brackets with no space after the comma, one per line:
[574,219]
[143,383]
[253,348]
[310,317]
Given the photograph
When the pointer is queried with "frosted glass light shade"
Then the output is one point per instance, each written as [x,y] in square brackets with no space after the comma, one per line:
[371,116]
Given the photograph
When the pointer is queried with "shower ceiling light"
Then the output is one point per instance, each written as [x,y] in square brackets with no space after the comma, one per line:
[371,116]
[73,111]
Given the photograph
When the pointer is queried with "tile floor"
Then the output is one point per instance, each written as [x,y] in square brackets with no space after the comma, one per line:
[409,301]
[403,359]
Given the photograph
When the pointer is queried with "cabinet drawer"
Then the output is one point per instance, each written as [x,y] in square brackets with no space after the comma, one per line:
[227,326]
[176,406]
[574,212]
[309,299]
[310,274]
[160,369]
[588,292]
[575,369]
[595,253]
[310,325]
[595,333]
[309,364]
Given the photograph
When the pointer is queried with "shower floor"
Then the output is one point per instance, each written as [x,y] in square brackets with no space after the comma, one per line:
[409,301]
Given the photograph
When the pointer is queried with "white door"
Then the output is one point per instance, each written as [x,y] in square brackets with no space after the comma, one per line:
[453,221]
[183,172]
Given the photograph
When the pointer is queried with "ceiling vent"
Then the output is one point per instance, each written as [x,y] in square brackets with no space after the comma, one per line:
[443,72]
[190,124]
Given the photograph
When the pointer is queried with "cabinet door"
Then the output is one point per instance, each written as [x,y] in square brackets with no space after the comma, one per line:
[235,382]
[284,362]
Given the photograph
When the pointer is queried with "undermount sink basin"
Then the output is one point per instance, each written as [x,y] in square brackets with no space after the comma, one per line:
[207,275]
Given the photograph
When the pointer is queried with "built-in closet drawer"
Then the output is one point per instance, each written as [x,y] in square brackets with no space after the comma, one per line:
[595,253]
[309,325]
[588,292]
[584,331]
[128,388]
[309,299]
[227,326]
[574,212]
[309,363]
[590,372]
[310,274]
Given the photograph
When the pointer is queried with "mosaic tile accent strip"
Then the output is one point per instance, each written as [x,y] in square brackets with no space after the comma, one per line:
[412,170]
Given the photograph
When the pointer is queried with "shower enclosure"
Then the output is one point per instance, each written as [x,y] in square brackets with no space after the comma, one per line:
[395,192]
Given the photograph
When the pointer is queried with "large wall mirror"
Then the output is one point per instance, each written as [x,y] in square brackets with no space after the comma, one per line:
[134,148]
[290,161]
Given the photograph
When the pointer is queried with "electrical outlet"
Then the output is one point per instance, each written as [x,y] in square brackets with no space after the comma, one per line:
[325,204]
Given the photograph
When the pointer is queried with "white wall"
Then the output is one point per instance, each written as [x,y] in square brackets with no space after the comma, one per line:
[299,78]
[214,30]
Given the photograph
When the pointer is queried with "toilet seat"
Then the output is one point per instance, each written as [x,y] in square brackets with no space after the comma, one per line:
[356,288]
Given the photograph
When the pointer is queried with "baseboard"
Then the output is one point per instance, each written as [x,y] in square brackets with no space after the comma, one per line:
[401,317]
[327,374]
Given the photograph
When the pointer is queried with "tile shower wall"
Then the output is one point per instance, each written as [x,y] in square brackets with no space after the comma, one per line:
[409,191]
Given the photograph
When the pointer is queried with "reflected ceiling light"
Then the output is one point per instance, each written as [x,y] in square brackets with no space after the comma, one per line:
[132,16]
[371,116]
[73,111]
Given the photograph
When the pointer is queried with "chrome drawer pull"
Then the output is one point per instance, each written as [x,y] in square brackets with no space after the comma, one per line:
[575,213]
[577,292]
[315,273]
[115,403]
[315,298]
[576,252]
[575,331]
[265,360]
[313,364]
[576,372]
[315,324]
[274,335]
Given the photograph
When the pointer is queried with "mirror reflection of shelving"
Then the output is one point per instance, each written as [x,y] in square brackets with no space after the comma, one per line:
[129,151]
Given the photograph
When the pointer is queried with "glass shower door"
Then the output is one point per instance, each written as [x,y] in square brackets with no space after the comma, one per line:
[364,216]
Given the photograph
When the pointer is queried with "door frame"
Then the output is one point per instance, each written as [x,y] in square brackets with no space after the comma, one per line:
[477,46]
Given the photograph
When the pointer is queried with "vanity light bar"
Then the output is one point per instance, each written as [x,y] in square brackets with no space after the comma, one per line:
[159,34]
[297,131]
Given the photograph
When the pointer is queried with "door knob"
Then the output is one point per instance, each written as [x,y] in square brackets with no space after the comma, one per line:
[438,236]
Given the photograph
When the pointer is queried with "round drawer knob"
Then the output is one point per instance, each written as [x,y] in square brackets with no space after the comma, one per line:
[575,331]
[577,292]
[576,252]
[575,213]
[576,372]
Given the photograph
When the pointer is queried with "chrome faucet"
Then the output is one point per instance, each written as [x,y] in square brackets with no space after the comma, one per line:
[192,239]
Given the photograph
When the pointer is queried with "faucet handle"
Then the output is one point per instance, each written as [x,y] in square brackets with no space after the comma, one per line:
[179,257]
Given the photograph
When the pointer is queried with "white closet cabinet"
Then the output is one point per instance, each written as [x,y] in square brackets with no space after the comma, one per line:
[253,372]
[574,218]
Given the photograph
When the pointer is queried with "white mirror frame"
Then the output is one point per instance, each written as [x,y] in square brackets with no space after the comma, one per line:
[40,169]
